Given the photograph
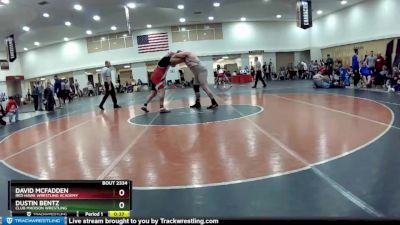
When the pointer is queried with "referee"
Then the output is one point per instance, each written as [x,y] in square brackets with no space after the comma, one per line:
[258,74]
[108,86]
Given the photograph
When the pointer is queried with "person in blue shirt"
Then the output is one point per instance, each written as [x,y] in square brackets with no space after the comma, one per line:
[366,74]
[344,76]
[356,67]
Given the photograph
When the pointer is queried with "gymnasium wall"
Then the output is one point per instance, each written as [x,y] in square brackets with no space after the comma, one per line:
[238,38]
[345,52]
[367,21]
[15,67]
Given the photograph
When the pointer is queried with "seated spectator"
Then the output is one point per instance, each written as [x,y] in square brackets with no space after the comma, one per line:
[366,73]
[2,114]
[12,109]
[386,77]
[381,76]
[396,87]
[139,82]
[234,73]
[396,72]
[246,70]
[90,89]
[344,76]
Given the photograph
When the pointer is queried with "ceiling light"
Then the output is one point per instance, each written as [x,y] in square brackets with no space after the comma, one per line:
[343,2]
[183,29]
[46,15]
[36,43]
[66,39]
[25,28]
[103,38]
[5,1]
[210,18]
[131,5]
[279,16]
[98,70]
[216,4]
[243,19]
[225,57]
[127,66]
[78,7]
[182,20]
[26,49]
[89,32]
[319,12]
[181,6]
[113,28]
[149,26]
[125,35]
[96,17]
[67,23]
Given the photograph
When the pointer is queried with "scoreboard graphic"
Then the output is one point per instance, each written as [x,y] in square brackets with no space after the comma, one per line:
[109,198]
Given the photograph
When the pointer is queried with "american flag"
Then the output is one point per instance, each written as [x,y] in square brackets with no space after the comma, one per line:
[153,42]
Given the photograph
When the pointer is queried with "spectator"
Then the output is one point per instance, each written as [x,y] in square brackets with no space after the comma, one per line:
[314,67]
[57,89]
[264,68]
[49,97]
[396,87]
[246,70]
[356,67]
[38,95]
[366,73]
[270,68]
[90,88]
[394,79]
[63,91]
[29,95]
[304,66]
[77,88]
[300,69]
[12,109]
[380,62]
[329,64]
[67,91]
[386,76]
[252,71]
[2,114]
[344,76]
[291,71]
[371,62]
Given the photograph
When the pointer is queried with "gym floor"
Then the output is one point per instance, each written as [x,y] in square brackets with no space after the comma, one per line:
[287,151]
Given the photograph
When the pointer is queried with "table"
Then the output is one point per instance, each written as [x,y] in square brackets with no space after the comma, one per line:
[241,79]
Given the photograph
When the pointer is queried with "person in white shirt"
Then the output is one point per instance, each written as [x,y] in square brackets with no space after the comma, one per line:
[108,85]
[305,69]
[258,73]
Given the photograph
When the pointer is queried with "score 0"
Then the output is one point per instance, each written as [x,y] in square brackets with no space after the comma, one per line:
[122,193]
